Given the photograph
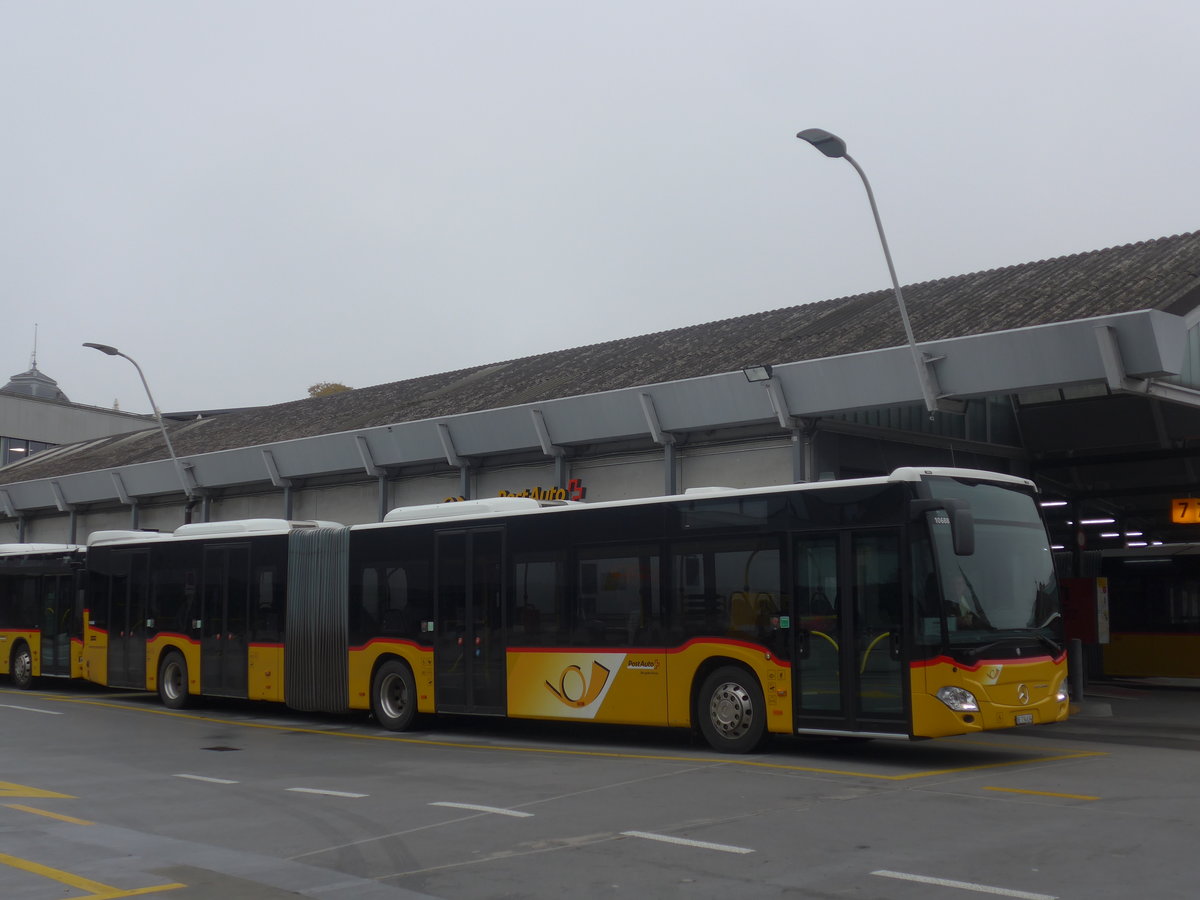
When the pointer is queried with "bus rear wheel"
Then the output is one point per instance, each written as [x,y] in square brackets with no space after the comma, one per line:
[731,711]
[20,667]
[394,696]
[173,681]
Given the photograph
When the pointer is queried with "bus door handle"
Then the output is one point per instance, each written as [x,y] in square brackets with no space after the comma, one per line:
[803,643]
[894,649]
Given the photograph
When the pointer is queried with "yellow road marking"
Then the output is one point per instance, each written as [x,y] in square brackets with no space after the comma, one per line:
[597,754]
[75,881]
[48,814]
[1043,793]
[117,894]
[8,789]
[96,890]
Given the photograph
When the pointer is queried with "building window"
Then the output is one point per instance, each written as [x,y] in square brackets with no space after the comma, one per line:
[15,449]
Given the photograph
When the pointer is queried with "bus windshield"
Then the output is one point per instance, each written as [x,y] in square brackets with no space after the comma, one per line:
[1003,599]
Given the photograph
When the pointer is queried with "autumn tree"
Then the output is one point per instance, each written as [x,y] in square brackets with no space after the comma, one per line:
[325,388]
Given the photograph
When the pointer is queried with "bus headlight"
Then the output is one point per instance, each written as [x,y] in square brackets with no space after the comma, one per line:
[958,699]
[1061,694]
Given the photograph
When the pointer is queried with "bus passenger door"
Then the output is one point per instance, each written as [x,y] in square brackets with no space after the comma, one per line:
[469,646]
[224,607]
[58,608]
[130,586]
[847,661]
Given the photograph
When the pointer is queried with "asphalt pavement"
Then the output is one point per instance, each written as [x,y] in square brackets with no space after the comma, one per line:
[1153,712]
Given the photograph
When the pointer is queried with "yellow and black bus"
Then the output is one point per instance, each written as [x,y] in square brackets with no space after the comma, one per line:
[1154,609]
[41,611]
[914,605]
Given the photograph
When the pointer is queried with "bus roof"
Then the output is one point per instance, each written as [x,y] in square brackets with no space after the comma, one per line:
[498,506]
[97,538]
[209,529]
[27,549]
[916,473]
[490,505]
[251,526]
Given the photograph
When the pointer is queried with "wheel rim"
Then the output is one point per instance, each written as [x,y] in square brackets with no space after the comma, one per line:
[172,681]
[731,710]
[393,697]
[22,666]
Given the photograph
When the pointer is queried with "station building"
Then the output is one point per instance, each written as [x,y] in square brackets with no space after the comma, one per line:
[1080,372]
[36,415]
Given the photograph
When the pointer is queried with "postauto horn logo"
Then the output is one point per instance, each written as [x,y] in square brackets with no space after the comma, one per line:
[576,691]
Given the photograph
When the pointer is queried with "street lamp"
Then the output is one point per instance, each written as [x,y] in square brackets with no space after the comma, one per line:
[835,148]
[113,351]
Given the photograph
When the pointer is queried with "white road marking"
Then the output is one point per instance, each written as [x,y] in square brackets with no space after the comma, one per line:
[703,845]
[44,712]
[206,778]
[964,885]
[327,793]
[488,809]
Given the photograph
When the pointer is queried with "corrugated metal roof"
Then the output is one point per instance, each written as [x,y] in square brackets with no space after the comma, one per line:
[1159,274]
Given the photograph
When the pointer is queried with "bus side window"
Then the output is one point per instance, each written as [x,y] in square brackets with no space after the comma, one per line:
[618,597]
[728,589]
[394,614]
[390,599]
[538,594]
[267,601]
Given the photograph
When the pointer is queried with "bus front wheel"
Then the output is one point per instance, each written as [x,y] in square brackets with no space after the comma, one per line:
[731,711]
[394,696]
[173,681]
[20,667]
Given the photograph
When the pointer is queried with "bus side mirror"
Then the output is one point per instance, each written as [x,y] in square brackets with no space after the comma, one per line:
[962,522]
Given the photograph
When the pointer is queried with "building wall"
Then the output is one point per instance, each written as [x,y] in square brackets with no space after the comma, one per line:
[621,477]
[53,422]
[350,504]
[736,465]
[513,479]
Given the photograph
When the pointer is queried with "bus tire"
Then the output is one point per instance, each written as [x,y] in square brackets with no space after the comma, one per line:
[394,696]
[20,667]
[173,681]
[731,711]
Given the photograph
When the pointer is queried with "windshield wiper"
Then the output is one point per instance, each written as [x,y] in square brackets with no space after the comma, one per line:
[1051,645]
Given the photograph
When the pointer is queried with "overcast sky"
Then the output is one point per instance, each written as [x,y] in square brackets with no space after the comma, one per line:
[250,197]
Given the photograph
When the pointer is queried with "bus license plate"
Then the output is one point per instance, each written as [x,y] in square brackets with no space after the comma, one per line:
[1025,719]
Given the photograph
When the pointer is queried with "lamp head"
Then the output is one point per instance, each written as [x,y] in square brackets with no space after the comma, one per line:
[757,373]
[829,144]
[104,348]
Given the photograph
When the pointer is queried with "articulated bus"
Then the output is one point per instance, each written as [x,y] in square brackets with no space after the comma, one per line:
[41,611]
[915,605]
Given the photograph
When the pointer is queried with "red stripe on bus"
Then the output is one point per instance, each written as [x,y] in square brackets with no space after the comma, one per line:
[403,642]
[174,636]
[729,642]
[1023,660]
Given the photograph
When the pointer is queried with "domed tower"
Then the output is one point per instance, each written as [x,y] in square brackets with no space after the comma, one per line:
[35,384]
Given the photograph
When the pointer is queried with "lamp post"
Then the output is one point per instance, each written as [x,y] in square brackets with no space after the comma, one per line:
[835,148]
[113,351]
